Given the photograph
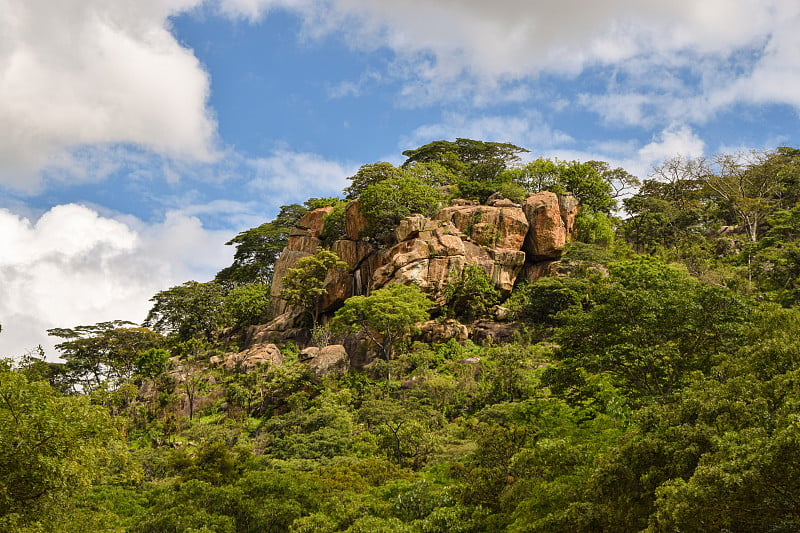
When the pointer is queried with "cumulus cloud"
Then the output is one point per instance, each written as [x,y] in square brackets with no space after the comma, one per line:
[92,72]
[285,176]
[529,130]
[489,50]
[72,266]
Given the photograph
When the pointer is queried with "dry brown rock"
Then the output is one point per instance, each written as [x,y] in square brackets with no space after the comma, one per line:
[433,331]
[568,207]
[311,223]
[332,359]
[487,331]
[494,227]
[354,221]
[251,358]
[547,234]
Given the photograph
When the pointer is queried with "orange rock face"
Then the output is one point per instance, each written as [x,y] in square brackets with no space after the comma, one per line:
[504,239]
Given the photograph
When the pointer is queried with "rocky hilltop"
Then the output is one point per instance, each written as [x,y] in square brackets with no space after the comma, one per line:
[509,241]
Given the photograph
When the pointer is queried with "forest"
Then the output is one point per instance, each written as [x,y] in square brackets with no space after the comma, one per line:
[649,381]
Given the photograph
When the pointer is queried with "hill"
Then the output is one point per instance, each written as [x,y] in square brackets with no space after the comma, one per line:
[462,343]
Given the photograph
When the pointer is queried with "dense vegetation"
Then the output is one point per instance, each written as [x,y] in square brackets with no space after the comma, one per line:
[652,385]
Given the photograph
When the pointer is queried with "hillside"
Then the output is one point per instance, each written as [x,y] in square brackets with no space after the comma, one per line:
[464,343]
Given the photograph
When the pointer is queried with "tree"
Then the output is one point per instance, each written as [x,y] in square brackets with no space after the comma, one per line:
[475,160]
[103,351]
[370,175]
[386,203]
[187,310]
[51,446]
[749,184]
[470,294]
[589,182]
[247,304]
[258,248]
[385,316]
[652,325]
[304,285]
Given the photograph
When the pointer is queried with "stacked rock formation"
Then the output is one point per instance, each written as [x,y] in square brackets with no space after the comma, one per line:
[505,239]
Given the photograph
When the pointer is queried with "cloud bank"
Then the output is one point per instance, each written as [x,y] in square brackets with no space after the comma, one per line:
[72,266]
[93,72]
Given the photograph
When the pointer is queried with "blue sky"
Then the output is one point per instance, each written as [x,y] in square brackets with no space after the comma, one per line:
[140,135]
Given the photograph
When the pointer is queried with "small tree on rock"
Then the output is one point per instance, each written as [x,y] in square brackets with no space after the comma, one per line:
[304,285]
[385,316]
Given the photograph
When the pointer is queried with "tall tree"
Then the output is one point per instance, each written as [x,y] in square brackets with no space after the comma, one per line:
[476,160]
[51,447]
[304,285]
[187,310]
[103,351]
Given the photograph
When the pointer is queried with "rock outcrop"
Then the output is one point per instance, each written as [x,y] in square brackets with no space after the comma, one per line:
[505,239]
[253,357]
[332,359]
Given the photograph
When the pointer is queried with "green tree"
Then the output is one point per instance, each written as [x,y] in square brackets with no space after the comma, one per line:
[103,351]
[304,285]
[387,202]
[470,294]
[386,316]
[187,310]
[370,175]
[652,325]
[51,447]
[247,304]
[474,160]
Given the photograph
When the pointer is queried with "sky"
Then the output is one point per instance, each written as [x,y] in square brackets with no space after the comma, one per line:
[138,136]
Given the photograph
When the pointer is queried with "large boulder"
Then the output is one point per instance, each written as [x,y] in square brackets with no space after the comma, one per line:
[490,226]
[328,360]
[436,332]
[354,221]
[547,233]
[253,357]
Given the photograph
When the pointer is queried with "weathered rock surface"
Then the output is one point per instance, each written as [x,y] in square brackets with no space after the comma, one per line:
[251,358]
[486,331]
[490,226]
[548,233]
[433,331]
[504,239]
[332,359]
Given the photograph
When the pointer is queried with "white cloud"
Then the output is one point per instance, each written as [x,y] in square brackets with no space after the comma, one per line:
[690,58]
[528,130]
[73,266]
[92,72]
[288,176]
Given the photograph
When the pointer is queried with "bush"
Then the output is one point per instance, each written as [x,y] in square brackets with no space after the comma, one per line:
[470,294]
[386,203]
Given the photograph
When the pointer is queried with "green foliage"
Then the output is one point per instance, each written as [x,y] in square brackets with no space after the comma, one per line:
[594,227]
[470,294]
[188,310]
[335,224]
[387,202]
[550,300]
[591,187]
[304,285]
[50,448]
[103,351]
[370,175]
[385,316]
[474,160]
[247,304]
[652,325]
